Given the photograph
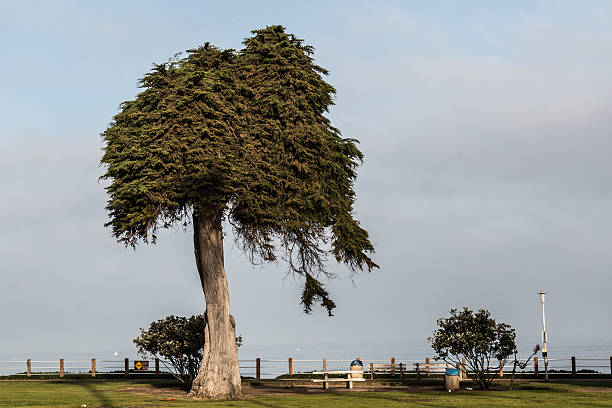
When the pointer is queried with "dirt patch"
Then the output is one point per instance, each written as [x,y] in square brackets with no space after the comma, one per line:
[593,389]
[281,388]
[255,389]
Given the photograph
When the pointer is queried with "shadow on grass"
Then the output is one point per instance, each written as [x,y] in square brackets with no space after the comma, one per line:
[100,396]
[376,399]
[281,388]
[256,401]
[168,384]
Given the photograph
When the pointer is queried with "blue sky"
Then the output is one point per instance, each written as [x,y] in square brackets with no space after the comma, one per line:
[485,127]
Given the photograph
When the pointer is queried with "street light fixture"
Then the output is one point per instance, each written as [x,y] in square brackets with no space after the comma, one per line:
[544,336]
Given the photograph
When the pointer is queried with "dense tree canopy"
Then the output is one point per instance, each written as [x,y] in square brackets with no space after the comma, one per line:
[240,135]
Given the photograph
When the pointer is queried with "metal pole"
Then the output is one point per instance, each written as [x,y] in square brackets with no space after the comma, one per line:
[544,336]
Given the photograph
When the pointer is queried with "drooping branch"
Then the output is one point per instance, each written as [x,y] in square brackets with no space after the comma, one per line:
[313,292]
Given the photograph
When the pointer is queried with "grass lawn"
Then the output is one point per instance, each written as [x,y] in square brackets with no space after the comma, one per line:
[113,393]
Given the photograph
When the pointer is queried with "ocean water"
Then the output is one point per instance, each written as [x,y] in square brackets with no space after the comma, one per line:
[592,353]
[308,357]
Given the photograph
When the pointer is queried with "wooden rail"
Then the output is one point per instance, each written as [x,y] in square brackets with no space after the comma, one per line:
[261,368]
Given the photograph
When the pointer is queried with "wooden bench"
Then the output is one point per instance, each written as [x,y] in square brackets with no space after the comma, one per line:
[326,380]
[387,369]
[430,368]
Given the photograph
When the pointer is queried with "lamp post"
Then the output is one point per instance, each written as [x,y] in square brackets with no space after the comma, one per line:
[544,337]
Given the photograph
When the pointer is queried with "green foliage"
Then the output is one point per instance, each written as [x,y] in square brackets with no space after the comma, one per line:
[178,340]
[242,133]
[478,338]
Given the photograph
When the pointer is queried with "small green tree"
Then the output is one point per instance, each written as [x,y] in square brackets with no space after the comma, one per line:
[178,340]
[476,337]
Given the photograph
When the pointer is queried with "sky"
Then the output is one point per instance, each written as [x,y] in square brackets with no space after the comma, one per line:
[487,176]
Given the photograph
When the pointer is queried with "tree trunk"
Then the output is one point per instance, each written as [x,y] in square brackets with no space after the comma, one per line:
[219,376]
[513,372]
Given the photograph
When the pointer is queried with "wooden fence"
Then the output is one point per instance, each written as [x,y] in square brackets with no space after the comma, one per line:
[574,366]
[93,367]
[261,368]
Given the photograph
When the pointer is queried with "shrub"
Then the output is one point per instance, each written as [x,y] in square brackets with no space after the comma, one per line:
[179,341]
[476,337]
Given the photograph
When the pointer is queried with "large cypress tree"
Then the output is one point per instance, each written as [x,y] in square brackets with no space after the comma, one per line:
[241,137]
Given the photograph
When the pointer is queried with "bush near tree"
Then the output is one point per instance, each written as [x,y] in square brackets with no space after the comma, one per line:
[178,341]
[476,337]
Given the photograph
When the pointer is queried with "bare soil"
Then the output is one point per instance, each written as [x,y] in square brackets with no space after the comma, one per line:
[593,389]
[255,388]
[269,388]
[258,388]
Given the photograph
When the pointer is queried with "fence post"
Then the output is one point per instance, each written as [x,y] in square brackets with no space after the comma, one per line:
[61,368]
[418,371]
[258,368]
[127,367]
[157,367]
[392,366]
[427,366]
[610,365]
[290,366]
[464,373]
[371,371]
[93,367]
[573,366]
[535,366]
[29,367]
[324,364]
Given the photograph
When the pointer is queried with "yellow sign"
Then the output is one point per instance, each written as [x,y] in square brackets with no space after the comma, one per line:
[141,365]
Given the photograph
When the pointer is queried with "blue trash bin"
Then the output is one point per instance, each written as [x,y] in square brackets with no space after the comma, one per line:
[451,379]
[357,365]
[452,371]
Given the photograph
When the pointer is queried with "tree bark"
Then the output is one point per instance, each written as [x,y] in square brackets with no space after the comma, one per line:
[219,376]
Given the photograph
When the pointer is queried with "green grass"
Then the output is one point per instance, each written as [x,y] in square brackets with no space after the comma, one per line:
[112,393]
